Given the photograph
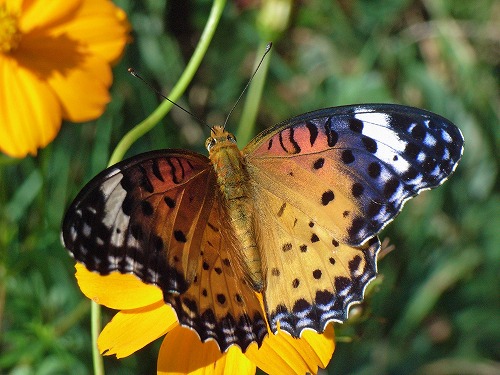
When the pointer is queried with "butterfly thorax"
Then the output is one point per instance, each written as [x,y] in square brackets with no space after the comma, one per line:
[234,184]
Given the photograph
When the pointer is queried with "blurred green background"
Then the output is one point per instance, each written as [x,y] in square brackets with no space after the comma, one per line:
[435,309]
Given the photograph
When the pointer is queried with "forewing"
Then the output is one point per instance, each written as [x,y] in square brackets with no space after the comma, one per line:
[354,166]
[145,216]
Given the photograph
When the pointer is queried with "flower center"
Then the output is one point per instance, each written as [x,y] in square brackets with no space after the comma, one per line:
[10,36]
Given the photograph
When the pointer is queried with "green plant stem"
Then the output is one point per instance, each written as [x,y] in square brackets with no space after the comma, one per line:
[247,121]
[95,328]
[145,126]
[150,122]
[3,290]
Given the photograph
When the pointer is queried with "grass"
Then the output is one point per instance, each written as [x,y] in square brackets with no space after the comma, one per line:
[435,307]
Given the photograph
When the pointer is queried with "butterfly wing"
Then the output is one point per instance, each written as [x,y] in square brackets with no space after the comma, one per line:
[311,278]
[158,216]
[345,172]
[355,166]
[144,216]
[220,305]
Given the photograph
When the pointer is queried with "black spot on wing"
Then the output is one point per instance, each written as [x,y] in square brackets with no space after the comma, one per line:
[313,132]
[147,208]
[355,125]
[331,135]
[319,163]
[212,227]
[169,201]
[144,181]
[419,131]
[156,170]
[357,189]
[370,144]
[412,150]
[295,149]
[221,299]
[128,205]
[126,182]
[176,168]
[327,197]
[390,187]
[374,169]
[180,236]
[347,157]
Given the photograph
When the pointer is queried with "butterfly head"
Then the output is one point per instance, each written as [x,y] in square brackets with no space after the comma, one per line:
[219,138]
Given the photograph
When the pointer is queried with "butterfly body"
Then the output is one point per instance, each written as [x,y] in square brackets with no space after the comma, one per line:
[234,186]
[293,216]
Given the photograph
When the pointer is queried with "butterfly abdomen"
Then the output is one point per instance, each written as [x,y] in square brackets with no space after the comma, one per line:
[234,185]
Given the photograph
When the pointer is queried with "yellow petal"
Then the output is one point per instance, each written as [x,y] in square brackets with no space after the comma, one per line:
[74,57]
[131,330]
[12,6]
[40,13]
[182,352]
[234,362]
[79,79]
[83,92]
[323,345]
[276,356]
[102,26]
[30,114]
[117,291]
[282,354]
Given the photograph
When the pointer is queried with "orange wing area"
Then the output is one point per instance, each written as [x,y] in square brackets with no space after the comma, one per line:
[220,305]
[157,216]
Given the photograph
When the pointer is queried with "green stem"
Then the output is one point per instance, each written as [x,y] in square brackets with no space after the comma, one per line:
[145,126]
[247,121]
[95,329]
[150,122]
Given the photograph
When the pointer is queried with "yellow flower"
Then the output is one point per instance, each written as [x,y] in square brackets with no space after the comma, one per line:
[144,317]
[55,61]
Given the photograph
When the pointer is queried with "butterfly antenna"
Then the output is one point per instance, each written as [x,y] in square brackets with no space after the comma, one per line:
[135,74]
[268,48]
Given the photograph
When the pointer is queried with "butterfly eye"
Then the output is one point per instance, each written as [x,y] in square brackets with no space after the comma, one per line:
[231,138]
[210,143]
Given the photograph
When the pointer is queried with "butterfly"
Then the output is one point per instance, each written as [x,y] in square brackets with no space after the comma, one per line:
[292,217]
